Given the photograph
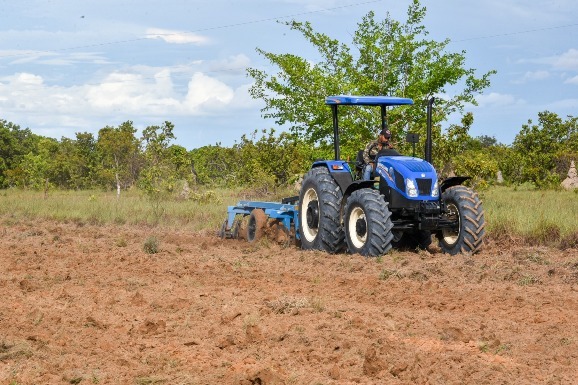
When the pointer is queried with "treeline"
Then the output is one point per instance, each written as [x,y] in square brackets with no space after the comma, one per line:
[117,159]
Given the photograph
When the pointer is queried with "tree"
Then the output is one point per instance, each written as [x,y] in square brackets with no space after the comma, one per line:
[386,57]
[35,169]
[270,161]
[85,160]
[119,151]
[15,143]
[215,164]
[181,162]
[485,141]
[157,177]
[541,145]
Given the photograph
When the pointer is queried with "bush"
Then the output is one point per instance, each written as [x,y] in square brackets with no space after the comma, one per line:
[151,245]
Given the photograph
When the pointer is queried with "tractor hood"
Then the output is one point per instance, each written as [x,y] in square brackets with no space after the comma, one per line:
[415,178]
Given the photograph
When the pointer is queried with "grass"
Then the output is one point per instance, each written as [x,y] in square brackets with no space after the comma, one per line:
[206,210]
[532,216]
[537,217]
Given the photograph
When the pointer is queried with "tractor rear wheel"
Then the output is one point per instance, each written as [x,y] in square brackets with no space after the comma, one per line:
[367,223]
[464,206]
[319,212]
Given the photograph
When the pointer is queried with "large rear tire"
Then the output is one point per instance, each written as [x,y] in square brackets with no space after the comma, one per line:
[464,205]
[368,223]
[319,212]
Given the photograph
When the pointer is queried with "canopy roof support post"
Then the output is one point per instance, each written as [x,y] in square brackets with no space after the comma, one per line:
[428,141]
[335,131]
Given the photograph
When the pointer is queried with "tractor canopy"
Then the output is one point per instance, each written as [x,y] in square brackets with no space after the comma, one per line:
[350,100]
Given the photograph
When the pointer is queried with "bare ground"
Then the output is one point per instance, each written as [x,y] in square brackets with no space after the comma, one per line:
[84,304]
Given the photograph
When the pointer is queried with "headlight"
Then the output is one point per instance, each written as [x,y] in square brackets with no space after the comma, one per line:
[410,188]
[435,191]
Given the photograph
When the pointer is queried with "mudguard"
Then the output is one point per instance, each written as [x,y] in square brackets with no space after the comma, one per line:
[453,181]
[339,170]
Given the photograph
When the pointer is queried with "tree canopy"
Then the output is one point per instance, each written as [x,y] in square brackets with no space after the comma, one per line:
[385,57]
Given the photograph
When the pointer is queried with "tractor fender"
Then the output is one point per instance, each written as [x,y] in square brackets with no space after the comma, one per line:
[452,181]
[354,186]
[339,170]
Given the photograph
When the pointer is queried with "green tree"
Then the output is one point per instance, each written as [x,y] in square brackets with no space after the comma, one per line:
[157,178]
[182,162]
[85,160]
[15,143]
[485,141]
[540,146]
[35,170]
[386,57]
[119,151]
[75,163]
[271,160]
[215,165]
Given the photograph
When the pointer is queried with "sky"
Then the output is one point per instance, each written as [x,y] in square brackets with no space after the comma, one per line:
[77,66]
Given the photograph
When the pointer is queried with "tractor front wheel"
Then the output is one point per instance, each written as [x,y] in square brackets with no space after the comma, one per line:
[367,223]
[464,206]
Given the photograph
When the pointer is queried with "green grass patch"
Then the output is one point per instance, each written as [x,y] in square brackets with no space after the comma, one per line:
[535,216]
[205,210]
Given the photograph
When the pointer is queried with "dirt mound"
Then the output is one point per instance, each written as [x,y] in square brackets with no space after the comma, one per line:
[86,304]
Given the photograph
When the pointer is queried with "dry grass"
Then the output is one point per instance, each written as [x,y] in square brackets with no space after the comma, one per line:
[532,216]
[512,215]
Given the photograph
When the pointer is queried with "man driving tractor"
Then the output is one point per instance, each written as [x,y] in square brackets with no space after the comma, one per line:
[371,150]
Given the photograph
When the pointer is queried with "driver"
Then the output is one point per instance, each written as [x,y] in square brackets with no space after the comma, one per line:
[371,150]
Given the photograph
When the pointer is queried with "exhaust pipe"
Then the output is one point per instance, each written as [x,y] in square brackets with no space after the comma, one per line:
[428,141]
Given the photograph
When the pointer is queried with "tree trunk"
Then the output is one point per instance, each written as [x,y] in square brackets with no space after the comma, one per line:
[117,178]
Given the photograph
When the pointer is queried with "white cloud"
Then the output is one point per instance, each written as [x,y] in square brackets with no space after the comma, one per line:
[27,79]
[495,99]
[573,80]
[19,57]
[176,37]
[119,95]
[533,76]
[564,104]
[206,92]
[234,63]
[567,61]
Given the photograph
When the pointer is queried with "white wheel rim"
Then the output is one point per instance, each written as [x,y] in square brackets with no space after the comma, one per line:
[451,236]
[356,214]
[309,233]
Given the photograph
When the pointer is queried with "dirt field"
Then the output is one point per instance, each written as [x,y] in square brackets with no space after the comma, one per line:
[84,304]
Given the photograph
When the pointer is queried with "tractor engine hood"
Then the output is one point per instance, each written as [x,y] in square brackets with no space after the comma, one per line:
[415,178]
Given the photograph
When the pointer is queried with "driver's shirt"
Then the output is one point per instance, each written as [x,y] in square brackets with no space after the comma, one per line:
[371,151]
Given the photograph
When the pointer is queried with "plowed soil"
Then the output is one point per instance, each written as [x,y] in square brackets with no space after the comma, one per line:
[84,304]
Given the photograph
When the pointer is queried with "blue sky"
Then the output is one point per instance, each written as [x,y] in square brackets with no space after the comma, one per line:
[74,66]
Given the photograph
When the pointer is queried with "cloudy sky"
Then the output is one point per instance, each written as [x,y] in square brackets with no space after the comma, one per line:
[74,66]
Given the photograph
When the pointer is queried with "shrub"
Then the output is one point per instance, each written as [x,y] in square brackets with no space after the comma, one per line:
[151,245]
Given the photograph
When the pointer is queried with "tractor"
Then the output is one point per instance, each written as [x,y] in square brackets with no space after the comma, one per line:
[402,206]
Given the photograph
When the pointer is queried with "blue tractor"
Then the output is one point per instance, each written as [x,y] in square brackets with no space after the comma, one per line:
[401,207]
